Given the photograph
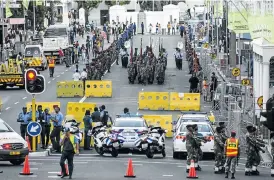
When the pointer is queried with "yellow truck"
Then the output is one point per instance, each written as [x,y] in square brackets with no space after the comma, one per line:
[12,74]
[34,57]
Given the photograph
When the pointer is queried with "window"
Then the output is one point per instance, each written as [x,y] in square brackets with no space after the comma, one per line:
[202,128]
[32,52]
[53,32]
[4,127]
[129,123]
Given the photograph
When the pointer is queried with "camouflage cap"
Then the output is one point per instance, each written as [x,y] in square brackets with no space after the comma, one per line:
[189,125]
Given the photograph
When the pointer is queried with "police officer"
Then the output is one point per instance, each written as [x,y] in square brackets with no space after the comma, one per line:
[126,111]
[40,119]
[69,147]
[178,58]
[218,151]
[232,151]
[47,118]
[57,120]
[96,115]
[88,126]
[104,115]
[24,118]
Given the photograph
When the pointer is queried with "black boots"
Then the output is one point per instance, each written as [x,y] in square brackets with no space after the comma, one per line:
[232,176]
[226,175]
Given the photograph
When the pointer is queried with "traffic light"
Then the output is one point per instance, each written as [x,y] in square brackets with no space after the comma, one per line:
[34,83]
[269,114]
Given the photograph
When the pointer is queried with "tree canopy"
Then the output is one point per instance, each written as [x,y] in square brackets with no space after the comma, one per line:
[120,2]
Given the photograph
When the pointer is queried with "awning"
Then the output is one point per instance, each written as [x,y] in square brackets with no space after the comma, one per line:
[16,21]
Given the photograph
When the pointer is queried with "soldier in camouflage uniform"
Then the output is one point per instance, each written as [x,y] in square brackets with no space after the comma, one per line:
[197,147]
[160,72]
[131,72]
[219,151]
[150,72]
[254,146]
[143,74]
[272,152]
[190,143]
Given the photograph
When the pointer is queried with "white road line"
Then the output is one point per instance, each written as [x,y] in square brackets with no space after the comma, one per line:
[16,102]
[24,98]
[53,79]
[80,162]
[48,82]
[53,173]
[83,99]
[58,76]
[62,72]
[7,108]
[66,70]
[168,175]
[30,176]
[33,168]
[53,177]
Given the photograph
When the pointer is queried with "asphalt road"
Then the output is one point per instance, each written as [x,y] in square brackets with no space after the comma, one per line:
[105,168]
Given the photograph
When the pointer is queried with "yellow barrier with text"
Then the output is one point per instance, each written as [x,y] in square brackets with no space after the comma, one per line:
[165,121]
[153,101]
[70,89]
[185,101]
[98,89]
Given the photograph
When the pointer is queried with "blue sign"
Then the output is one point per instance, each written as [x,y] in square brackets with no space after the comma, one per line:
[34,129]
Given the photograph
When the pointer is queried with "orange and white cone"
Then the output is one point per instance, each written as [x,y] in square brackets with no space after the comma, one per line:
[192,171]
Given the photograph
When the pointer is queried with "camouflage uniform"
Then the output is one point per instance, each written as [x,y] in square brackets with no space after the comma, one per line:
[197,147]
[160,72]
[150,73]
[272,153]
[219,151]
[190,142]
[131,73]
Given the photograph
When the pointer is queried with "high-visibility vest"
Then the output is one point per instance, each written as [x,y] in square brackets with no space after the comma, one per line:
[51,63]
[232,145]
[71,138]
[205,85]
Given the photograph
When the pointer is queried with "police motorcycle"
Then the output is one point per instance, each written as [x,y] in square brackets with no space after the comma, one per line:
[152,142]
[73,125]
[105,142]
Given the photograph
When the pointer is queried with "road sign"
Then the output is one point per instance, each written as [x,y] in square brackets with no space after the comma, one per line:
[34,129]
[236,72]
[246,82]
[260,101]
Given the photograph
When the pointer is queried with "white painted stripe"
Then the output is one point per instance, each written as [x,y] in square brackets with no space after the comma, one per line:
[168,175]
[53,173]
[53,79]
[33,168]
[16,102]
[66,70]
[48,82]
[24,98]
[53,177]
[62,72]
[83,99]
[7,108]
[30,176]
[58,76]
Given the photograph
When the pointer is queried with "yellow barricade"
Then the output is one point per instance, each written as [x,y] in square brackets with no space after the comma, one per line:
[185,101]
[153,100]
[98,89]
[70,89]
[165,121]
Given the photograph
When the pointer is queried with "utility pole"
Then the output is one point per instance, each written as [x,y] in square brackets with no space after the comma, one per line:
[34,19]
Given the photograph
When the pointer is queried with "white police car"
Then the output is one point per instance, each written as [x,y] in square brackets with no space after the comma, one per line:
[13,147]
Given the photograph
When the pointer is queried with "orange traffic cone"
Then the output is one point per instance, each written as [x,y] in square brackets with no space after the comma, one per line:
[130,172]
[29,147]
[26,168]
[67,171]
[192,171]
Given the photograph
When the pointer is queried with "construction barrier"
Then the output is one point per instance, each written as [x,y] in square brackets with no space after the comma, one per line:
[165,121]
[153,100]
[98,89]
[70,89]
[185,101]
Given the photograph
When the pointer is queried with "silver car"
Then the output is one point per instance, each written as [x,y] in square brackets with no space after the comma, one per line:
[130,127]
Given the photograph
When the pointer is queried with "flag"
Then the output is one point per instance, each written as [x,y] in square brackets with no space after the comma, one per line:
[26,4]
[8,11]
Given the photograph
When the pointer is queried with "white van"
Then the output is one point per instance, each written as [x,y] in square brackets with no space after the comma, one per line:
[13,147]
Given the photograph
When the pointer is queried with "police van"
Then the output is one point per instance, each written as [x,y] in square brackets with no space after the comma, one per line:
[13,147]
[34,57]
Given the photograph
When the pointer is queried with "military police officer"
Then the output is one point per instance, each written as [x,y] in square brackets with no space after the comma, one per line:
[219,151]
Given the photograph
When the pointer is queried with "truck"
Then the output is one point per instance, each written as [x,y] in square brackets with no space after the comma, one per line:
[55,37]
[12,74]
[34,57]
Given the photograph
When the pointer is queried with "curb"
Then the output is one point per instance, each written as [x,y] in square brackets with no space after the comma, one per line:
[40,154]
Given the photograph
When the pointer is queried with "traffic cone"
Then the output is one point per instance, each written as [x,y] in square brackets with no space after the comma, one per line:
[67,171]
[192,171]
[29,147]
[130,172]
[26,168]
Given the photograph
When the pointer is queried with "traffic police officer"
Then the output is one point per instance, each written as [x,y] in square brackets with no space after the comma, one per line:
[88,126]
[40,119]
[24,118]
[47,118]
[178,58]
[232,151]
[69,146]
[57,120]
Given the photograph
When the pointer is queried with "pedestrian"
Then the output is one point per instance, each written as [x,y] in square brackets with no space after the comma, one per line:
[47,118]
[69,146]
[168,28]
[24,118]
[232,151]
[182,31]
[194,81]
[51,67]
[57,120]
[213,86]
[178,58]
[88,126]
[205,89]
[134,28]
[142,28]
[76,76]
[218,151]
[61,55]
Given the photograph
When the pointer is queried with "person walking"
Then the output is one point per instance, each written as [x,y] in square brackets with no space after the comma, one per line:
[69,146]
[88,126]
[57,120]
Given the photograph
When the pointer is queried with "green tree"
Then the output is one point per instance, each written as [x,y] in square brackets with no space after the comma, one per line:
[158,5]
[88,5]
[120,2]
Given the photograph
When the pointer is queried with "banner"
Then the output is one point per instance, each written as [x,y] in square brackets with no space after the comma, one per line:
[8,11]
[240,22]
[262,27]
[26,4]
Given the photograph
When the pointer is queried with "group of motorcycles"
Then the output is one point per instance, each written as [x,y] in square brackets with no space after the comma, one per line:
[151,142]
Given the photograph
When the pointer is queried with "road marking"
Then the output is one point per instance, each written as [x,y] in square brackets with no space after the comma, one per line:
[7,108]
[66,70]
[24,98]
[49,82]
[168,175]
[83,99]
[16,102]
[62,72]
[53,79]
[33,168]
[29,176]
[53,173]
[75,162]
[58,76]
[134,164]
[181,166]
[53,177]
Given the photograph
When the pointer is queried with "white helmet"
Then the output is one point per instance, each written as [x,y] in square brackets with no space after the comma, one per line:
[154,131]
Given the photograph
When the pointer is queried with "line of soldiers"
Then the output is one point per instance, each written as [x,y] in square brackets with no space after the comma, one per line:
[146,67]
[102,63]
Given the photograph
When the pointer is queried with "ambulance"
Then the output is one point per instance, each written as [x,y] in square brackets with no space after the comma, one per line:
[34,57]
